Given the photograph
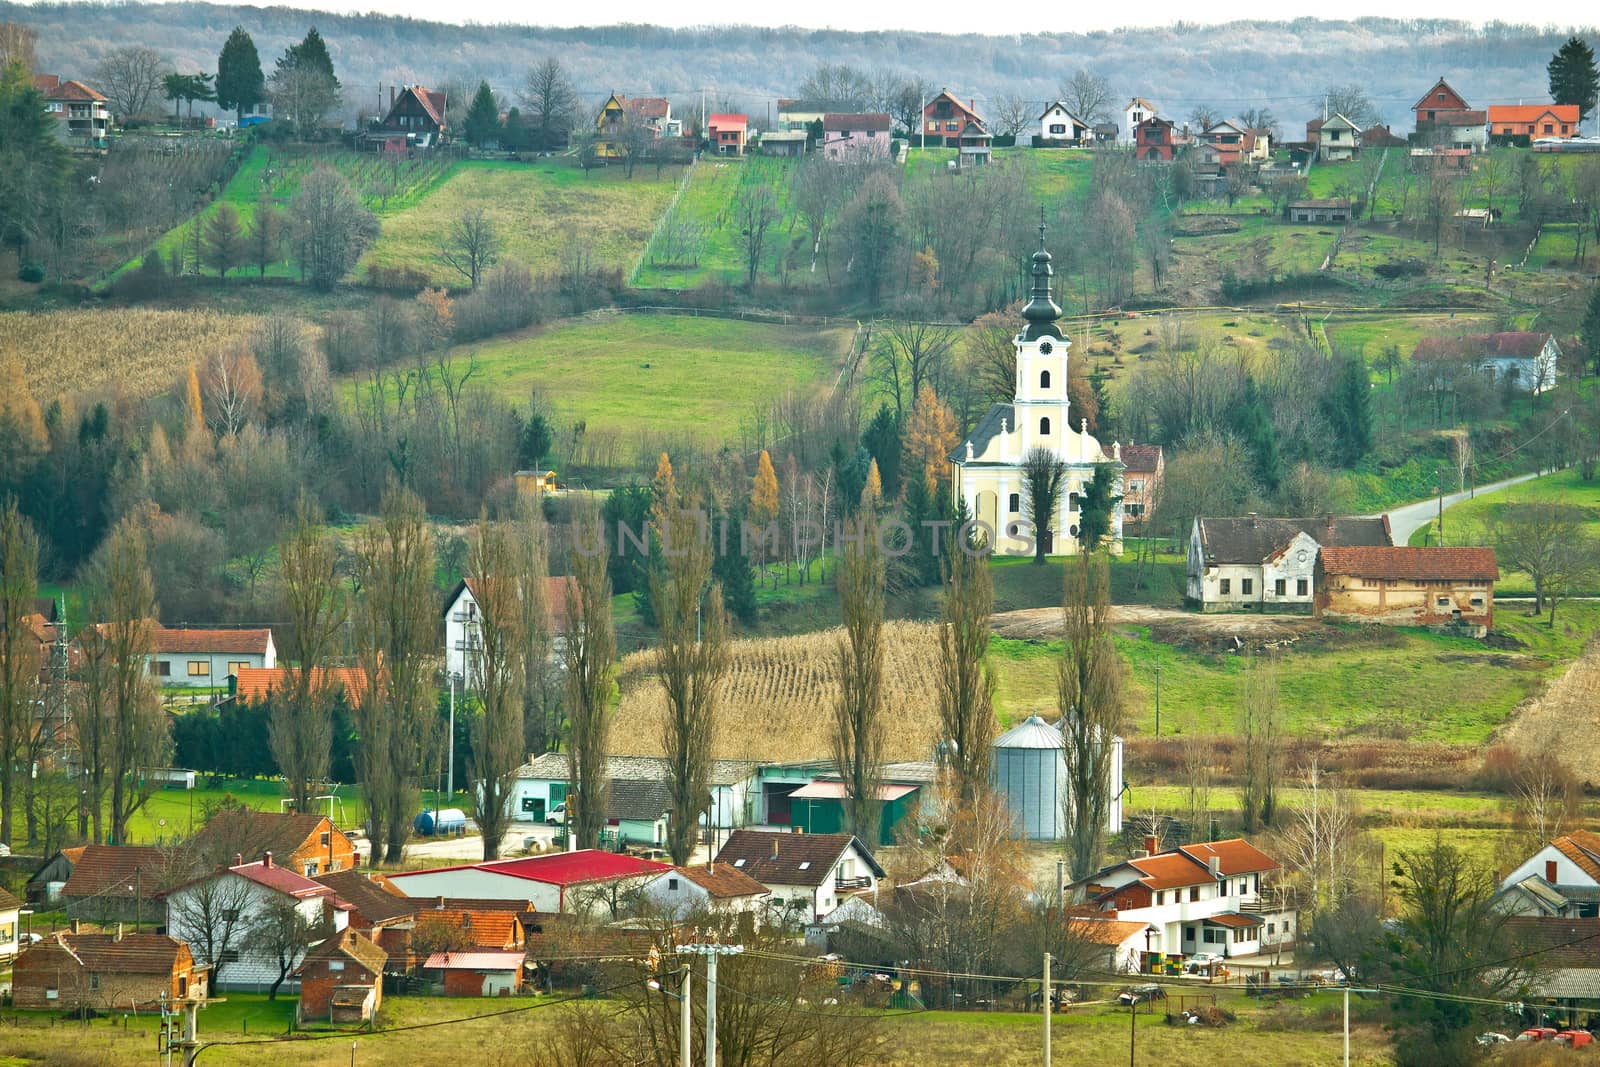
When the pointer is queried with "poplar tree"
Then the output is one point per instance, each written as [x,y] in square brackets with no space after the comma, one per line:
[496,724]
[19,649]
[858,726]
[966,687]
[301,730]
[1089,689]
[588,655]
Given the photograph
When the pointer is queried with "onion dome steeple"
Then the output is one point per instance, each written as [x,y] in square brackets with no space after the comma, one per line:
[1041,311]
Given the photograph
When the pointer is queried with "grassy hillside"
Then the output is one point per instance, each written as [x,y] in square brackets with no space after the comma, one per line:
[628,373]
[542,211]
[703,220]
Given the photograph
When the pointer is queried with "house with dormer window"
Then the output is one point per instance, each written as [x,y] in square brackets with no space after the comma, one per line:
[945,120]
[807,874]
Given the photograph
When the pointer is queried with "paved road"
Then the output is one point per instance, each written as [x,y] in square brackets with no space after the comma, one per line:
[1409,518]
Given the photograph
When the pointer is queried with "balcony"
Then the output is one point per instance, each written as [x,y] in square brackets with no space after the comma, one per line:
[841,883]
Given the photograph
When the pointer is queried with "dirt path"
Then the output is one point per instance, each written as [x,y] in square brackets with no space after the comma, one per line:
[1044,623]
[1565,720]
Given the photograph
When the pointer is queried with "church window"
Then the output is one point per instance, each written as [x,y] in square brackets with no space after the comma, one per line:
[1014,503]
[1044,427]
[1072,501]
[1073,530]
[1044,379]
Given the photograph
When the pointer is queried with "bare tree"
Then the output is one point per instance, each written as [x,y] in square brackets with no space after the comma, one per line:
[265,237]
[1089,688]
[1353,103]
[17,46]
[552,103]
[497,724]
[1042,474]
[1546,797]
[1203,116]
[281,932]
[1261,745]
[1012,114]
[588,653]
[330,227]
[1461,456]
[214,915]
[690,664]
[909,355]
[301,731]
[1533,538]
[20,648]
[473,244]
[134,727]
[1319,839]
[131,77]
[754,212]
[966,688]
[1087,95]
[231,382]
[858,727]
[1198,768]
[396,624]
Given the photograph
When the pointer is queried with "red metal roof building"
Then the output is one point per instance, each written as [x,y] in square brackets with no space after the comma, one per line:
[562,881]
[726,134]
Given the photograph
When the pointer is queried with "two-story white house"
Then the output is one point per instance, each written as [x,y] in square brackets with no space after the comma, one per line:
[1195,898]
[463,638]
[1059,126]
[808,874]
[187,657]
[1562,880]
[1269,564]
[1134,112]
[230,908]
[707,887]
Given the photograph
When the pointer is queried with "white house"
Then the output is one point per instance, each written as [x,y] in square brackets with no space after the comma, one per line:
[1524,359]
[1562,879]
[987,468]
[186,657]
[557,881]
[10,919]
[708,887]
[1057,125]
[241,898]
[808,874]
[462,638]
[1338,140]
[1268,564]
[541,784]
[1134,112]
[1195,898]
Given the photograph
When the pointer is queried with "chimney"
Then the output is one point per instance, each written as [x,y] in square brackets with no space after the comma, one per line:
[391,98]
[238,859]
[266,859]
[1214,865]
[117,933]
[1253,517]
[74,925]
[774,846]
[1152,844]
[1329,520]
[439,905]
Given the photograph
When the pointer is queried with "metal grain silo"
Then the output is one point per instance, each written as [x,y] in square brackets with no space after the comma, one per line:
[1030,773]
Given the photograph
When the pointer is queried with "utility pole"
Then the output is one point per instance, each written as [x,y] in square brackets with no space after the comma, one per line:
[1046,999]
[685,1020]
[711,953]
[1440,483]
[1133,1016]
[1347,992]
[1158,701]
[450,758]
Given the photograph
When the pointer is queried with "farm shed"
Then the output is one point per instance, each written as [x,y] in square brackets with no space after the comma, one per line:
[1331,209]
[818,808]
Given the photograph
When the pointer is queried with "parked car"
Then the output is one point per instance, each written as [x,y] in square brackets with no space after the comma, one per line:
[1200,961]
[1538,1033]
[1142,994]
[557,816]
[1491,1039]
[1574,1038]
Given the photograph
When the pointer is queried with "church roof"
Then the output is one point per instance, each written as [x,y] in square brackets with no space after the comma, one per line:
[987,430]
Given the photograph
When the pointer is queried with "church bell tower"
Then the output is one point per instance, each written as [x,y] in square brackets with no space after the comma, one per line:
[1040,403]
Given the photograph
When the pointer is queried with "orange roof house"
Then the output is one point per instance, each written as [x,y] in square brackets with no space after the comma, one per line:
[1533,121]
[726,133]
[1408,585]
[253,684]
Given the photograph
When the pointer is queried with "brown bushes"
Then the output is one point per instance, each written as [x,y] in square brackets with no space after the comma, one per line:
[1359,764]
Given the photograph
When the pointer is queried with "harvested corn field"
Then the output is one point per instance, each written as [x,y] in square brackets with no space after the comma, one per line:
[1564,721]
[139,351]
[777,700]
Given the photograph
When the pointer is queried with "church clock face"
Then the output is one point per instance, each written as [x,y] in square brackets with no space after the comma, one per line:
[1045,348]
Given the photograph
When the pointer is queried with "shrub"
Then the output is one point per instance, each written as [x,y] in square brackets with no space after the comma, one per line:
[32,273]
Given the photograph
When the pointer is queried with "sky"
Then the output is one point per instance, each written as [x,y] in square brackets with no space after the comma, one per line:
[953,17]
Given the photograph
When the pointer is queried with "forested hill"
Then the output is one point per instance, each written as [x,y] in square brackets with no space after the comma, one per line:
[1284,66]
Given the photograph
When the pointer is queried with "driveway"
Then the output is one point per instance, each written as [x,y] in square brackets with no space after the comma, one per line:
[1409,518]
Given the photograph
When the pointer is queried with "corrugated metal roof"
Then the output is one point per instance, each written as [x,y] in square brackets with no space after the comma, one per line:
[474,961]
[1032,732]
[837,791]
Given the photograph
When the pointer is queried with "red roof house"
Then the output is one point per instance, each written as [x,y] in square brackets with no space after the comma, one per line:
[945,119]
[1408,585]
[1533,121]
[726,133]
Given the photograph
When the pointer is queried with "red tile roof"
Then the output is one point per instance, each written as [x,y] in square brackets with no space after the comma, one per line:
[347,946]
[560,868]
[276,877]
[1582,847]
[1169,870]
[560,593]
[255,833]
[723,882]
[1413,563]
[1141,459]
[71,90]
[185,639]
[482,928]
[116,871]
[1232,921]
[1378,136]
[130,954]
[1107,932]
[647,107]
[1189,864]
[1234,856]
[727,122]
[1532,112]
[1514,344]
[257,683]
[46,83]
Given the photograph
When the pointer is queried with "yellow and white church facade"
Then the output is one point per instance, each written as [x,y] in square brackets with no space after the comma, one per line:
[987,467]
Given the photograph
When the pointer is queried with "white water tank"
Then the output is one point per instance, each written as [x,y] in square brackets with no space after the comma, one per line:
[1030,773]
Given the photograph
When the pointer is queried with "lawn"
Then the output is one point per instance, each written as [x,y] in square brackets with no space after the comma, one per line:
[1337,682]
[1466,522]
[544,211]
[658,374]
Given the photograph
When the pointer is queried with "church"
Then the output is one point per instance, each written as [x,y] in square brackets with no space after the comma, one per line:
[986,468]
